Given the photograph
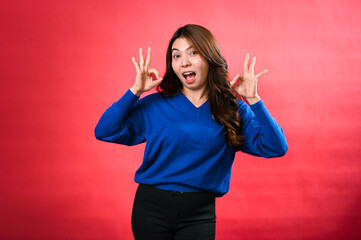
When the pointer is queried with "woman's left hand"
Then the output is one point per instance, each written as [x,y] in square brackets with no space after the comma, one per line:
[247,85]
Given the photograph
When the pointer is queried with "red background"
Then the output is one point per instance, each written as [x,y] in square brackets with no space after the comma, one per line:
[64,62]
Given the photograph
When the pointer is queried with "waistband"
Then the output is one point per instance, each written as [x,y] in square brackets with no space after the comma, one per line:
[154,188]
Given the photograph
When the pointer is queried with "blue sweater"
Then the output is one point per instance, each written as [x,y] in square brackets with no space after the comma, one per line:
[185,148]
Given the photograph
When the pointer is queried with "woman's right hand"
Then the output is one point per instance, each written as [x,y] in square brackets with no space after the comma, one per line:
[144,81]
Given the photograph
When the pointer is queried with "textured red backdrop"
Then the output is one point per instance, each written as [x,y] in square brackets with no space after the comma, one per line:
[64,62]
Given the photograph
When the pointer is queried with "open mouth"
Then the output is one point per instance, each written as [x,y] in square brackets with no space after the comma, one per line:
[189,76]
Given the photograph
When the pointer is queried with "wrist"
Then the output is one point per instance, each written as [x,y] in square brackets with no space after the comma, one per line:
[253,100]
[135,91]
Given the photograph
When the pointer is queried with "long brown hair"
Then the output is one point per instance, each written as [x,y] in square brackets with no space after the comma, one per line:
[222,101]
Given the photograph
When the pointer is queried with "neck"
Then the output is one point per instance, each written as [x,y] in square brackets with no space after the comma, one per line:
[196,97]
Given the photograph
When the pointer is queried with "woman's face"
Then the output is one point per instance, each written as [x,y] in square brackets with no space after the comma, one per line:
[189,66]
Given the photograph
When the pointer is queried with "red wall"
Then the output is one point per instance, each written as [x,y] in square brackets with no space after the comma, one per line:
[64,62]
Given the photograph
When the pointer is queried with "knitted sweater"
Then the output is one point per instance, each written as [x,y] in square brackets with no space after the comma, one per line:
[185,148]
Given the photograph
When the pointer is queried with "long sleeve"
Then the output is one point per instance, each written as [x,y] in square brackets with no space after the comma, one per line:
[121,122]
[262,135]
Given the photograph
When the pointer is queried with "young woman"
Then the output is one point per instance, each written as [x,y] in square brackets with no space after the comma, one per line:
[192,127]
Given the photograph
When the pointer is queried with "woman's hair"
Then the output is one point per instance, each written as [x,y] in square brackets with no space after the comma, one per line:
[222,101]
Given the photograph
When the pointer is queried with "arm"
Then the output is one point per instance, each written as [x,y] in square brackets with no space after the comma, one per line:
[262,135]
[122,122]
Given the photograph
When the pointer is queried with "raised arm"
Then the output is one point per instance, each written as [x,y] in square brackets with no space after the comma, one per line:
[263,136]
[122,121]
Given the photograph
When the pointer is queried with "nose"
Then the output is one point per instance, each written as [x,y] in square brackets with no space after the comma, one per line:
[185,62]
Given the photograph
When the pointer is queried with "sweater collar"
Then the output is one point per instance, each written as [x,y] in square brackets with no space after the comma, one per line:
[190,105]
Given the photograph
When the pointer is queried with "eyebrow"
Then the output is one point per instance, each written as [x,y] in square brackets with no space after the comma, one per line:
[176,49]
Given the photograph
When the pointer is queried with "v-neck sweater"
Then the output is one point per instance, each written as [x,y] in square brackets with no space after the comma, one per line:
[186,149]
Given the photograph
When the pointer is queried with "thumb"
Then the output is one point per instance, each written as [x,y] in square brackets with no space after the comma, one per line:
[157,82]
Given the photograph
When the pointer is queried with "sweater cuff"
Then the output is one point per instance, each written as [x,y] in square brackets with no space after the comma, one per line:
[128,99]
[257,105]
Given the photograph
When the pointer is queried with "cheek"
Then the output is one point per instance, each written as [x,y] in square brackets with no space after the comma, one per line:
[176,70]
[204,69]
[202,65]
[174,67]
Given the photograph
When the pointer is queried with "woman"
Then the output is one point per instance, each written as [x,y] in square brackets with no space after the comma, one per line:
[192,127]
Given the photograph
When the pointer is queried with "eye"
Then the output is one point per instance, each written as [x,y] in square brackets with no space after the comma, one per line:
[176,56]
[193,53]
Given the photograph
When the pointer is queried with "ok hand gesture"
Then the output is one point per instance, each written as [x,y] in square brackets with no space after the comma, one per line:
[144,81]
[247,85]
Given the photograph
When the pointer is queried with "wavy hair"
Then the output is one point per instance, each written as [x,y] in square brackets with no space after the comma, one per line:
[222,101]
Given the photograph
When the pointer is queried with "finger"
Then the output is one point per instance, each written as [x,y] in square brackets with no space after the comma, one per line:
[155,72]
[149,58]
[245,65]
[141,59]
[234,81]
[262,73]
[252,65]
[137,68]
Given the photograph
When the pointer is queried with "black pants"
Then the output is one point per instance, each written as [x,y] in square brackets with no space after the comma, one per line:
[160,215]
